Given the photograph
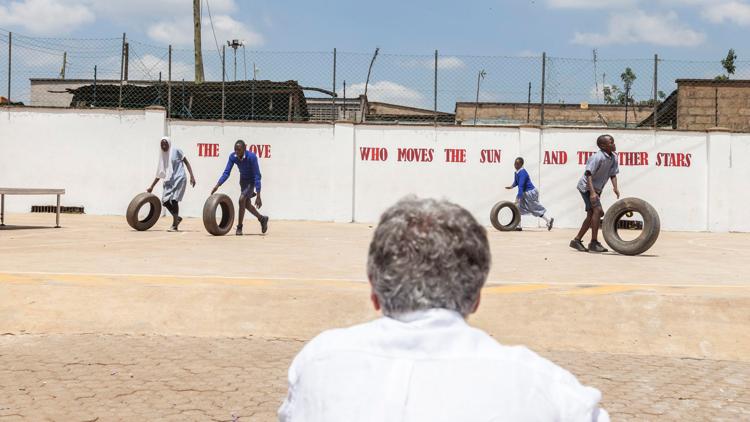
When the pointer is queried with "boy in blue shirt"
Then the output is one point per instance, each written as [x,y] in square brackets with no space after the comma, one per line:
[247,163]
[527,198]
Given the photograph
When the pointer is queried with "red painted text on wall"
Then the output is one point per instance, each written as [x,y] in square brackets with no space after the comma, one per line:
[208,150]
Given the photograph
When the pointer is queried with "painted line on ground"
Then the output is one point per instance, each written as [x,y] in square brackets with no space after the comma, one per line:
[100,279]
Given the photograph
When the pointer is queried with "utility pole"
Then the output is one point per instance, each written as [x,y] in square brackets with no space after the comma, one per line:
[197,41]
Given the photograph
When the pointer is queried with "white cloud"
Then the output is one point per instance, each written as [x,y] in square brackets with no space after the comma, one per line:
[732,11]
[387,92]
[639,27]
[591,4]
[179,31]
[45,17]
[149,66]
[444,63]
[449,63]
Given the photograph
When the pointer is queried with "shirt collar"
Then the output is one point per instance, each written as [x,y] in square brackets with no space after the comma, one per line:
[434,316]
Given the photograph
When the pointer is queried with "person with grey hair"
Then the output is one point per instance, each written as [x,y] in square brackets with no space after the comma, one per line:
[421,361]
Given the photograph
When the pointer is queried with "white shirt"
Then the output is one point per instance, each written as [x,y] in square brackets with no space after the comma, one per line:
[429,366]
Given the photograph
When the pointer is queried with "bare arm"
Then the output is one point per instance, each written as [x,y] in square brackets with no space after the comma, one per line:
[151,188]
[614,186]
[190,171]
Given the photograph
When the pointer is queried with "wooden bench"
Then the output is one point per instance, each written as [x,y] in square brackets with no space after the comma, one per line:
[24,191]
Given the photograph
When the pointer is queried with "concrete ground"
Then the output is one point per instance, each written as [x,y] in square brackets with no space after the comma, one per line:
[99,322]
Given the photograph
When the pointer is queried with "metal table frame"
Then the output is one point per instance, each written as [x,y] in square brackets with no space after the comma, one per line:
[25,191]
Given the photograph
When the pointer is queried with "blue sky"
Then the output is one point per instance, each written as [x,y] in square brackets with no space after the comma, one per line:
[620,30]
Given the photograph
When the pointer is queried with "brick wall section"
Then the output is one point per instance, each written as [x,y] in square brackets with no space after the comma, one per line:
[595,115]
[697,104]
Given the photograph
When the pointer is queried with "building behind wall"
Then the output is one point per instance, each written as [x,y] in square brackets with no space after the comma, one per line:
[607,115]
[702,104]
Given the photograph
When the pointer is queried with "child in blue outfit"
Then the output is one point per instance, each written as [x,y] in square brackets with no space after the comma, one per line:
[247,163]
[527,198]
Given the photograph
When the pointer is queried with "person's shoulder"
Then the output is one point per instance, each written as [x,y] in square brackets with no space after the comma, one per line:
[251,155]
[520,356]
[559,384]
[523,171]
[348,337]
[330,342]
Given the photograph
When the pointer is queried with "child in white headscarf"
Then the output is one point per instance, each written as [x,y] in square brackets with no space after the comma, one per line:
[171,168]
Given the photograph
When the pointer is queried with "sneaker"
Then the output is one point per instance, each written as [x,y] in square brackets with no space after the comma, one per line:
[263,224]
[177,224]
[595,246]
[173,229]
[518,229]
[549,225]
[578,245]
[238,232]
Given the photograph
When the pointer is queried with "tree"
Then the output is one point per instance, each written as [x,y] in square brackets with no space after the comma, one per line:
[628,77]
[728,64]
[615,95]
[660,96]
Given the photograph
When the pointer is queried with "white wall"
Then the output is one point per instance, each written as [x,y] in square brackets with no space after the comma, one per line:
[301,166]
[101,158]
[677,193]
[739,183]
[475,185]
[317,172]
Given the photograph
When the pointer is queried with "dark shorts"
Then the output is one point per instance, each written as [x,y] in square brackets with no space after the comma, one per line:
[247,189]
[587,200]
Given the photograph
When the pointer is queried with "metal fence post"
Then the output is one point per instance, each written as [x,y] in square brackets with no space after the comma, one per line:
[656,90]
[94,104]
[127,61]
[716,106]
[544,74]
[333,97]
[627,100]
[122,70]
[435,88]
[169,84]
[10,61]
[528,106]
[223,78]
[480,76]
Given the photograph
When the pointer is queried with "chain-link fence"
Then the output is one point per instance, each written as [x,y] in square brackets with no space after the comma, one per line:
[376,87]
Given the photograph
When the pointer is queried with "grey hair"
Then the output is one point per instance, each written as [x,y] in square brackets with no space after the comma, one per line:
[428,254]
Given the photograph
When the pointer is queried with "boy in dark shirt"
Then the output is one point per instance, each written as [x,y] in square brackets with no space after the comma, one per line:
[600,167]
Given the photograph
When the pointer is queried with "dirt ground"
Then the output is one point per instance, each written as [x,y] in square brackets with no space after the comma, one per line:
[99,322]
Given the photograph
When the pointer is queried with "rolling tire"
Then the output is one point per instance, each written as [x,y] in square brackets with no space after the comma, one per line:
[496,211]
[222,227]
[647,238]
[135,206]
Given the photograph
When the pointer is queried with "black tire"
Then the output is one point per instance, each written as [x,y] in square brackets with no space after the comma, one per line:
[135,206]
[647,238]
[218,200]
[496,211]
